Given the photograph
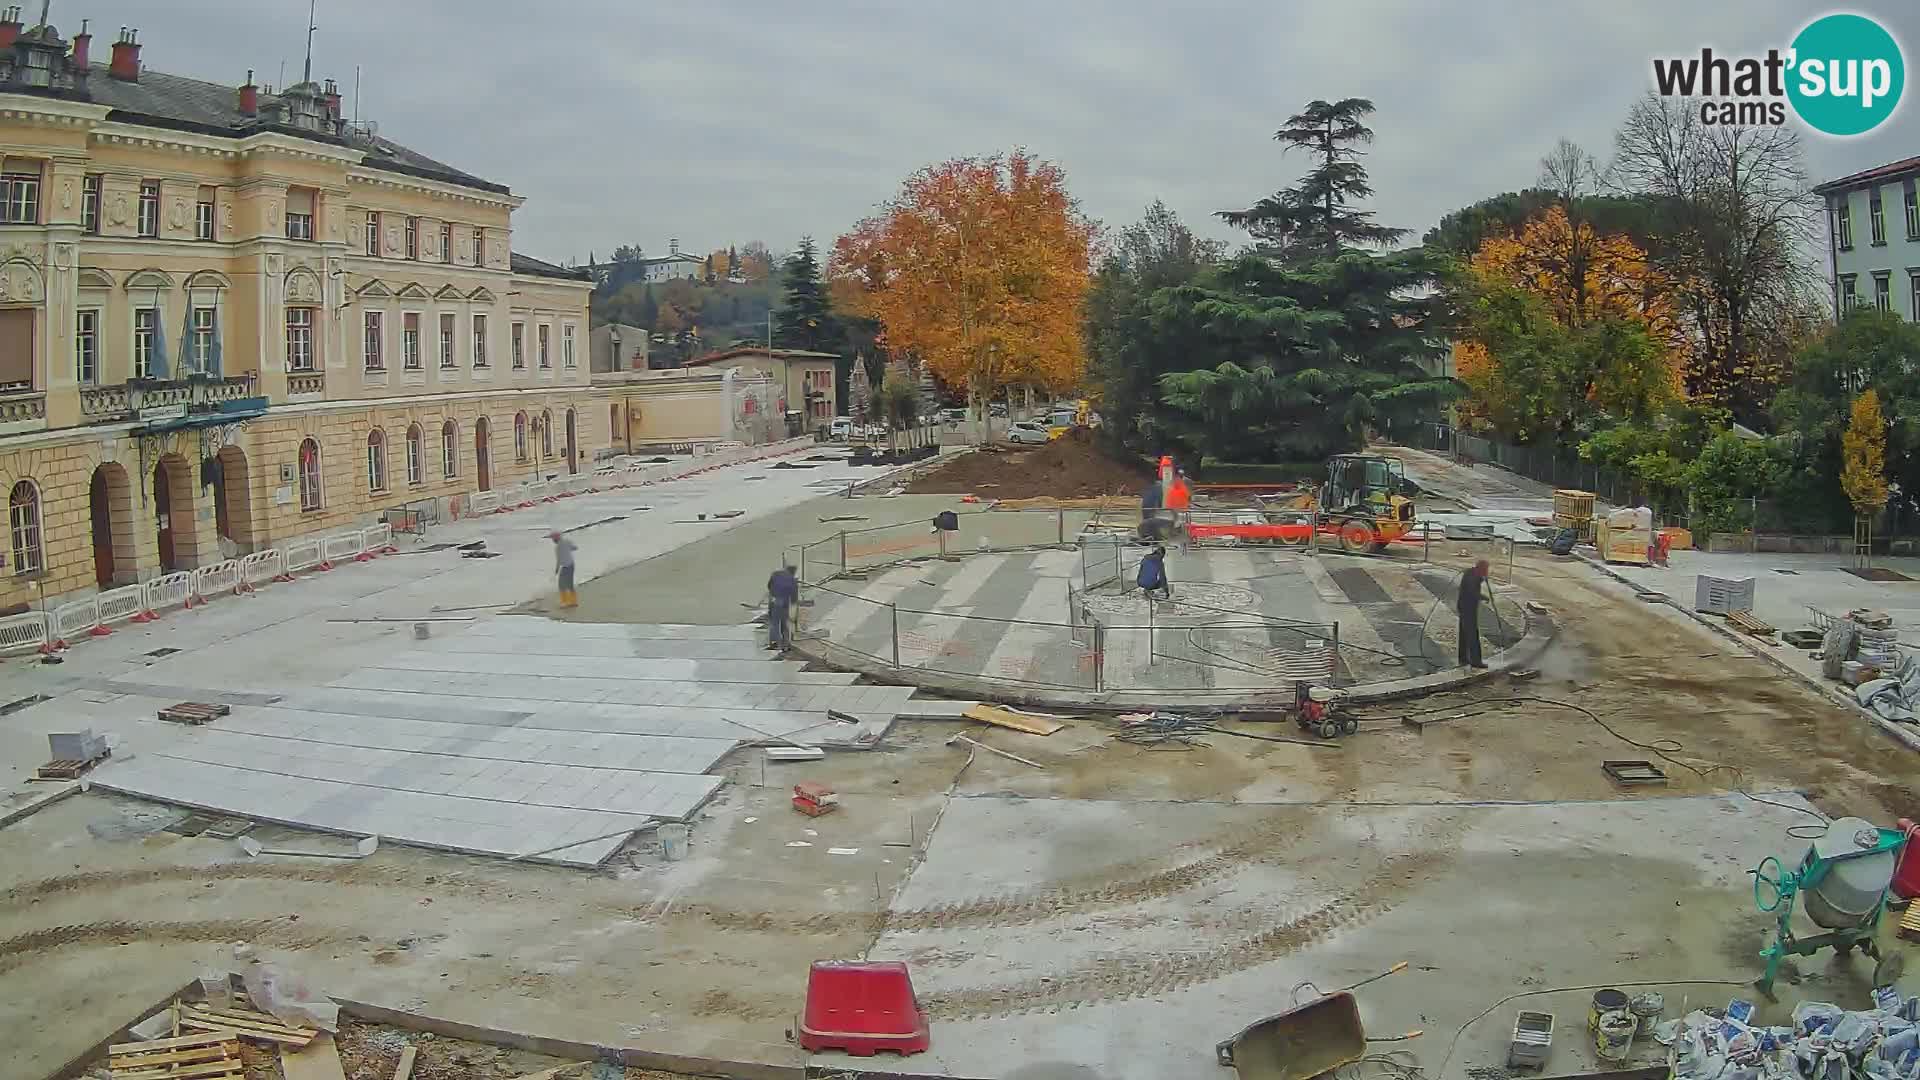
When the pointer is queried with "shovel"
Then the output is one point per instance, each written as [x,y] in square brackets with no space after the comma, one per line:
[361,850]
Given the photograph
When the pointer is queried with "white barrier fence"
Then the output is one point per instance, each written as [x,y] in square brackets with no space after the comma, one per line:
[27,630]
[301,555]
[119,605]
[335,548]
[72,620]
[211,581]
[262,567]
[376,540]
[169,590]
[485,502]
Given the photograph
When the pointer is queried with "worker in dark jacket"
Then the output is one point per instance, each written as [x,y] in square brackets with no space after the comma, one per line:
[1472,583]
[1153,574]
[783,593]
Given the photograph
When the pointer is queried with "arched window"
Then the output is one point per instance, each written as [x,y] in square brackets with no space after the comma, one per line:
[449,450]
[376,460]
[309,475]
[546,433]
[519,436]
[416,455]
[23,510]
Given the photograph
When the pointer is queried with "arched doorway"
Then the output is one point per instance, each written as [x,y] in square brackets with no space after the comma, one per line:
[233,499]
[110,506]
[482,459]
[173,514]
[573,451]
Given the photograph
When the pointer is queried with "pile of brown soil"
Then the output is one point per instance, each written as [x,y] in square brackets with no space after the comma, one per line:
[1070,467]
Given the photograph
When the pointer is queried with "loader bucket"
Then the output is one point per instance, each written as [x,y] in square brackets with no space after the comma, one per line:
[1302,1042]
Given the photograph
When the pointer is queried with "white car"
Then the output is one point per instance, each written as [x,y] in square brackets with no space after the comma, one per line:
[841,428]
[1026,431]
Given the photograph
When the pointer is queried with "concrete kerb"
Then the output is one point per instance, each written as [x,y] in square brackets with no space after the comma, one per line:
[788,1063]
[1910,739]
[1540,631]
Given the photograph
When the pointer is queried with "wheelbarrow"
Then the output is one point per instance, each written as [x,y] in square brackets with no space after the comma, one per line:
[1307,1040]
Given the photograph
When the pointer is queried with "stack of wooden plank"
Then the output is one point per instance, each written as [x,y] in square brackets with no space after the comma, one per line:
[1746,622]
[203,1056]
[194,712]
[244,1023]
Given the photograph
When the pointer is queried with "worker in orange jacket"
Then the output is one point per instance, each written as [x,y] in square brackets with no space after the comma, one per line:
[1180,500]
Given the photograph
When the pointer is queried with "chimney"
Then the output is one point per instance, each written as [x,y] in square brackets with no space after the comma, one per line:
[333,100]
[81,41]
[9,26]
[249,97]
[125,65]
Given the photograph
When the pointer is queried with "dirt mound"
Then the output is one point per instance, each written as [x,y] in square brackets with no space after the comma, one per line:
[1070,467]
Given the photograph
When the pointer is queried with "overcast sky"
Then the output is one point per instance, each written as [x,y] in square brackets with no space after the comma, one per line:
[635,121]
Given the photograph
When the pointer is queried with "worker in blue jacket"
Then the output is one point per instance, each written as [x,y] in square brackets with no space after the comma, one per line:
[1153,574]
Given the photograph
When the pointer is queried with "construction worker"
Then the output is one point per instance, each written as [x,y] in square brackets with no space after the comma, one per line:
[1151,500]
[1179,501]
[1153,574]
[783,593]
[1471,584]
[563,550]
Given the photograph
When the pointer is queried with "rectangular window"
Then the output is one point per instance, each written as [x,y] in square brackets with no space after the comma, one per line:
[144,321]
[519,346]
[1849,296]
[410,341]
[446,243]
[413,238]
[86,347]
[203,215]
[299,213]
[1876,218]
[546,358]
[90,203]
[299,339]
[446,341]
[1913,211]
[373,233]
[20,193]
[479,246]
[376,357]
[566,345]
[480,341]
[1883,290]
[1843,224]
[202,358]
[149,208]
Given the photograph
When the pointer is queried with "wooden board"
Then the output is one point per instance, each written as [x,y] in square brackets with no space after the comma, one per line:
[404,1070]
[318,1060]
[194,712]
[1013,721]
[1910,922]
[1744,620]
[204,1056]
[246,1023]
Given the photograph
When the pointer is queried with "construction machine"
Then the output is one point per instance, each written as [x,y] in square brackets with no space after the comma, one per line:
[1364,505]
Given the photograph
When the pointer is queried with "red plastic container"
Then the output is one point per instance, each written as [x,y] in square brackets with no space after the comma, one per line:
[862,1008]
[1906,872]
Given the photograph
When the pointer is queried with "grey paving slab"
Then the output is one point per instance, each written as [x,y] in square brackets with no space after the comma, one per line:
[661,648]
[629,668]
[516,626]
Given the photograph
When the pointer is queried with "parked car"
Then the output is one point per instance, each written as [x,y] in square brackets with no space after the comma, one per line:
[841,428]
[998,408]
[954,416]
[1026,431]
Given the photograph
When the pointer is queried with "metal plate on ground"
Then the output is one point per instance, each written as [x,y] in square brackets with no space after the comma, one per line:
[1633,773]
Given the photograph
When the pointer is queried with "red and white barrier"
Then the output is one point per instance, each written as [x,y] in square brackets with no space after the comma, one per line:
[261,567]
[168,590]
[211,581]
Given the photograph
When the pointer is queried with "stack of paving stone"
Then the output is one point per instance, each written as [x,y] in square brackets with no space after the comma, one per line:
[1879,639]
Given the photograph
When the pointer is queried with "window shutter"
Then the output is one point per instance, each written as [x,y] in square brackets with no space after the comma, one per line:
[299,200]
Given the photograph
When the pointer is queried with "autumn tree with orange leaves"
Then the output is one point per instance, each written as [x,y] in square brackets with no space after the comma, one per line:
[978,267]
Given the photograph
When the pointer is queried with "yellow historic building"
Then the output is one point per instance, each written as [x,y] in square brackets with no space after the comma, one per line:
[229,317]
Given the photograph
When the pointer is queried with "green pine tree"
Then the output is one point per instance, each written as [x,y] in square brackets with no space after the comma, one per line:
[805,319]
[649,307]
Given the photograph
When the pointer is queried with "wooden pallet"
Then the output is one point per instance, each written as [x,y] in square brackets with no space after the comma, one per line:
[1745,621]
[194,712]
[64,769]
[203,1056]
[1910,922]
[245,1023]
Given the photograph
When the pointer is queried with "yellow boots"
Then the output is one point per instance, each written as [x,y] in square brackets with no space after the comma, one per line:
[569,598]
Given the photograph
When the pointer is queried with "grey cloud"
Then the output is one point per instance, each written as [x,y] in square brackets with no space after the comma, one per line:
[639,120]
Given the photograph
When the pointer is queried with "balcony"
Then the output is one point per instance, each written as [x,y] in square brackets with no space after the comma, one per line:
[306,384]
[154,399]
[22,409]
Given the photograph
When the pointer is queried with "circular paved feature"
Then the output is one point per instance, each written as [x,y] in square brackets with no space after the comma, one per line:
[1243,621]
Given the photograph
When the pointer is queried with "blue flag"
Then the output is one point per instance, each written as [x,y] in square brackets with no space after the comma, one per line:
[213,351]
[157,362]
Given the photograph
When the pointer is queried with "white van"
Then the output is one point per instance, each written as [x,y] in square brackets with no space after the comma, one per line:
[841,428]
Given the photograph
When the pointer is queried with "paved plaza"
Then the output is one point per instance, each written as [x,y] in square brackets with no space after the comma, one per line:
[1241,618]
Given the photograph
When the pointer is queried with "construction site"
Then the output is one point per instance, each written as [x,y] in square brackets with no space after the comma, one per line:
[997,813]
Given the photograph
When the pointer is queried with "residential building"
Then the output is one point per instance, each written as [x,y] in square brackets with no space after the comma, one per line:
[618,347]
[1873,238]
[203,296]
[678,409]
[805,379]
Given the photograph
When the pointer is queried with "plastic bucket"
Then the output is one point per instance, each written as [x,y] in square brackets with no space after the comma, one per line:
[1613,1035]
[673,842]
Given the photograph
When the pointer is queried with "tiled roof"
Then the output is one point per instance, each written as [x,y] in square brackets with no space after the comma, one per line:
[760,350]
[527,264]
[1890,171]
[175,101]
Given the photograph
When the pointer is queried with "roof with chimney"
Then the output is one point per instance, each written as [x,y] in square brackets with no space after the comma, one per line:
[157,99]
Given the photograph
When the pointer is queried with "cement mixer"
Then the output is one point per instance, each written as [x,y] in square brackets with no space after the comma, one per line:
[1842,882]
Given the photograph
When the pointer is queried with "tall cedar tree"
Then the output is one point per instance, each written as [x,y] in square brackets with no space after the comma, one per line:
[1298,349]
[805,317]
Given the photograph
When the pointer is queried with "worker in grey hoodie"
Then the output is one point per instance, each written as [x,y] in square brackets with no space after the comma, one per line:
[563,550]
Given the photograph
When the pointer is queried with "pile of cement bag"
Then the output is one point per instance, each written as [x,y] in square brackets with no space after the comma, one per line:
[1825,1042]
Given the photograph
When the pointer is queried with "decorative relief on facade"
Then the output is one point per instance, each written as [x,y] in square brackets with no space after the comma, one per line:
[63,256]
[179,213]
[119,209]
[303,286]
[66,195]
[20,284]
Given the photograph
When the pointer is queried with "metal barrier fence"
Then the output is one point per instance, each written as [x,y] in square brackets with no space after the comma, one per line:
[211,581]
[27,630]
[302,555]
[339,546]
[170,590]
[119,605]
[1099,561]
[1026,653]
[72,620]
[262,567]
[376,539]
[485,502]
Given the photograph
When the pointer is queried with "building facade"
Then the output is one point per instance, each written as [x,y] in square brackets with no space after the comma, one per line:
[1873,239]
[805,379]
[675,264]
[228,317]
